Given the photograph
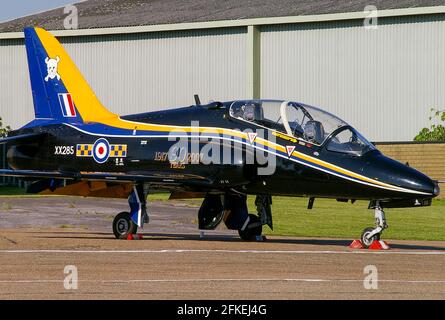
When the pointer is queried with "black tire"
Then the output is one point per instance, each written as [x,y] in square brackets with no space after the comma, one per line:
[366,243]
[123,225]
[249,234]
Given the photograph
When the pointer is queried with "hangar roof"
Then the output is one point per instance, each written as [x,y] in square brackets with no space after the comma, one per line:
[120,13]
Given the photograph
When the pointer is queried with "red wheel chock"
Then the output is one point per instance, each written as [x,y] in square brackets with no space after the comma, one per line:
[375,245]
[379,245]
[134,236]
[356,244]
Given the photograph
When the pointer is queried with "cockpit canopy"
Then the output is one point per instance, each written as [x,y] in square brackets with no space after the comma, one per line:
[304,122]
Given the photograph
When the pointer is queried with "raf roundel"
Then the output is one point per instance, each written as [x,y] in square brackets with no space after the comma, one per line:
[101,150]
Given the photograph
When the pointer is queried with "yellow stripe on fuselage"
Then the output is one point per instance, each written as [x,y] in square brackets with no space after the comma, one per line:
[92,110]
[87,104]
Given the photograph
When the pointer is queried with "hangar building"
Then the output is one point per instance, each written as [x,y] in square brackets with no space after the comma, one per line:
[150,55]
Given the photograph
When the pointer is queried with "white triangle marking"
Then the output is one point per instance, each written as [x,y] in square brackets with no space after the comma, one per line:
[290,150]
[252,136]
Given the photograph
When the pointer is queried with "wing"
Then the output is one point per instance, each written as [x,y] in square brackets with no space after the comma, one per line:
[106,185]
[154,177]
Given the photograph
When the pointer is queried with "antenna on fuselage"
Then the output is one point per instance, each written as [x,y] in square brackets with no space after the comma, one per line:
[197,100]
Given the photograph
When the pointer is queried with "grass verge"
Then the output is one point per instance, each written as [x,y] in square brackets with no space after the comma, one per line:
[334,219]
[11,191]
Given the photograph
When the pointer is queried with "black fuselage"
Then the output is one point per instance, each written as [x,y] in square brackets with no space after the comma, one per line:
[56,150]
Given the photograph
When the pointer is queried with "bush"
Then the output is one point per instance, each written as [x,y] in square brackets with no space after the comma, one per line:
[436,132]
[4,131]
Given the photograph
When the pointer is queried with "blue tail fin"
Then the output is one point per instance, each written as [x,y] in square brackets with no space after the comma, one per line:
[50,96]
[59,90]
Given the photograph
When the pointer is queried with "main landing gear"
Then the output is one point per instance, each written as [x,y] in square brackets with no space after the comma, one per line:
[123,225]
[370,234]
[126,223]
[253,227]
[232,209]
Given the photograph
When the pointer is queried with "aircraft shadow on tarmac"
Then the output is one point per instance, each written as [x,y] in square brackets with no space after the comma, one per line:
[231,238]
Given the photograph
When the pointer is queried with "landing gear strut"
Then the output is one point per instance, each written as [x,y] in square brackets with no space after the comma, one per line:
[253,227]
[126,223]
[369,235]
[263,204]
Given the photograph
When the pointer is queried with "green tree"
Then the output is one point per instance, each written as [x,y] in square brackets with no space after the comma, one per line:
[436,132]
[4,131]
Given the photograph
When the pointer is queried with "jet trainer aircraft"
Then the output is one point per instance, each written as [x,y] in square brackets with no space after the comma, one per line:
[75,146]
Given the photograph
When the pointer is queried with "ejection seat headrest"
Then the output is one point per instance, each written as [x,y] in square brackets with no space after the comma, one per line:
[314,131]
[253,112]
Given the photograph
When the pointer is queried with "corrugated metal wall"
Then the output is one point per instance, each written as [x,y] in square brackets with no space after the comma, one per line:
[16,106]
[135,73]
[382,81]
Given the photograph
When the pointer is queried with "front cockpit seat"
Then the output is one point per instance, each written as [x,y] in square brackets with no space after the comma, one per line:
[314,131]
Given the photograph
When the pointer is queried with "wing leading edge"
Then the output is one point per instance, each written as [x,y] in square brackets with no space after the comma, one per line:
[105,176]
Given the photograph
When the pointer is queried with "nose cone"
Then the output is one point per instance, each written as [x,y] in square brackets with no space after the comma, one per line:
[436,188]
[395,173]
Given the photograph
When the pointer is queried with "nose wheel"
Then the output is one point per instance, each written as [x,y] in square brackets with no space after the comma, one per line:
[366,237]
[369,235]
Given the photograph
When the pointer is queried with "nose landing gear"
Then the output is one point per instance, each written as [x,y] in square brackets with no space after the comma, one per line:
[369,235]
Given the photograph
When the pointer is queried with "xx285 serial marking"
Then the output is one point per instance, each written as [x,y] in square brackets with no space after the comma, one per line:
[64,150]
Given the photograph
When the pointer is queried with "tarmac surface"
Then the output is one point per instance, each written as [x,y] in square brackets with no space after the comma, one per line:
[40,237]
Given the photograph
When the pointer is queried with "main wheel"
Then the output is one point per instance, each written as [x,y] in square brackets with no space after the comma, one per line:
[123,225]
[250,233]
[367,242]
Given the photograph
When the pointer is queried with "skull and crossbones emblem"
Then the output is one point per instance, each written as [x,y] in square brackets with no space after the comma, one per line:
[51,67]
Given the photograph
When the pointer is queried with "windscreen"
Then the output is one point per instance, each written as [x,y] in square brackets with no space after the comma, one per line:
[349,141]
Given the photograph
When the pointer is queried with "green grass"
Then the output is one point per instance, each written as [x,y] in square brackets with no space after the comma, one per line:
[158,197]
[333,219]
[11,191]
[330,218]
